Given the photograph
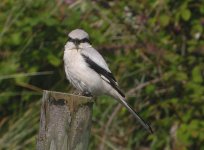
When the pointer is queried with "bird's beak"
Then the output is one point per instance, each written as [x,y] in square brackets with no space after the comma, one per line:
[76,43]
[77,47]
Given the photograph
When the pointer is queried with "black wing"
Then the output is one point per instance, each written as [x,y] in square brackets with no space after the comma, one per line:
[108,75]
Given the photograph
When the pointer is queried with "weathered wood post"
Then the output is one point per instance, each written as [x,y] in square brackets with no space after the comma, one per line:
[65,122]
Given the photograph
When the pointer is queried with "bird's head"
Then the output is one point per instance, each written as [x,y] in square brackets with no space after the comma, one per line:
[77,37]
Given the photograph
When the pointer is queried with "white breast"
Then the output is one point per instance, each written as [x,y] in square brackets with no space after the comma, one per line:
[79,74]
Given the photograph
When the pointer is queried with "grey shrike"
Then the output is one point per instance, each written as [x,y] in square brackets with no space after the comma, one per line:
[88,72]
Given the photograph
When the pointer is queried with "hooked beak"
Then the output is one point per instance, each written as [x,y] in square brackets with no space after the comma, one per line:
[77,47]
[76,43]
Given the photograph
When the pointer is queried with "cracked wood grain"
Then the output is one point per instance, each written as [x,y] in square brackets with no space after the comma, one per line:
[65,122]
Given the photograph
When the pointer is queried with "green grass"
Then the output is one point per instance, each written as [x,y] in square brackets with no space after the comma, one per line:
[154,49]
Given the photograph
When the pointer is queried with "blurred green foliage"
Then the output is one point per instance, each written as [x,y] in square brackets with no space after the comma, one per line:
[155,48]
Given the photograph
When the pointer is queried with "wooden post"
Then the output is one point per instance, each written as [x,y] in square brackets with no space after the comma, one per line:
[65,122]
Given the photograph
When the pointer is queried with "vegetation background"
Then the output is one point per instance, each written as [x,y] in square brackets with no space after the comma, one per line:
[155,48]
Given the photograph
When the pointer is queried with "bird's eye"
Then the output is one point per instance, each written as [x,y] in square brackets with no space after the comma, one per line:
[86,40]
[69,39]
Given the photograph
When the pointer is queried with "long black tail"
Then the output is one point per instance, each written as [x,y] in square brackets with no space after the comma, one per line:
[131,110]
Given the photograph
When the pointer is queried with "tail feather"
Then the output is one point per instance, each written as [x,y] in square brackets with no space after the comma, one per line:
[121,98]
[131,110]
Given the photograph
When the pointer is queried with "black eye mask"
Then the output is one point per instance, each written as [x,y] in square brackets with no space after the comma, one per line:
[78,41]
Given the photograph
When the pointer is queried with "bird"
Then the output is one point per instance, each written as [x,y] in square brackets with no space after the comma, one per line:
[88,72]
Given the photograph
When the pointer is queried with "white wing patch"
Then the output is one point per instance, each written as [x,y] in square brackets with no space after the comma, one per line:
[104,78]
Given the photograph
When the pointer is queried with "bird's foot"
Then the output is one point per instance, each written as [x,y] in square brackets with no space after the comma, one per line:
[87,94]
[77,92]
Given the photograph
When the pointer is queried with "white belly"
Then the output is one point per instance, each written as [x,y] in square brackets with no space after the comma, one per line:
[80,75]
